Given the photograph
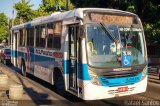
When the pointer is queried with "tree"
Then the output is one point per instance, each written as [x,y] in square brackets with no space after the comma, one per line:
[147,10]
[24,11]
[50,6]
[40,11]
[3,26]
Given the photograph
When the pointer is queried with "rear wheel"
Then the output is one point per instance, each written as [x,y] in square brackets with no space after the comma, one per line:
[23,68]
[59,83]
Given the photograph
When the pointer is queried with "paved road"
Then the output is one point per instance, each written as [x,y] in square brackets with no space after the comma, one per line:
[38,94]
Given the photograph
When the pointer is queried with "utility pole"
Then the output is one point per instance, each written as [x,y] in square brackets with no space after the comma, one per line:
[8,36]
[11,33]
[66,5]
[12,13]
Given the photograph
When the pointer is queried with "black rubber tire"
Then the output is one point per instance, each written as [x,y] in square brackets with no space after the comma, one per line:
[59,83]
[23,69]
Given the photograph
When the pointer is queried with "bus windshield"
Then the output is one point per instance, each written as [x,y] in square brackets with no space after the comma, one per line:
[103,51]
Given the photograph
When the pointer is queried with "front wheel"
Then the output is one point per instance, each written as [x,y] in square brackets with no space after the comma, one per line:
[23,69]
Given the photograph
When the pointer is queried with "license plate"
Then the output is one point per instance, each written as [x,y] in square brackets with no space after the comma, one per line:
[122,89]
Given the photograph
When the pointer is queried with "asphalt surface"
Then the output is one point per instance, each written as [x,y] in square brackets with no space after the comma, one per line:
[38,92]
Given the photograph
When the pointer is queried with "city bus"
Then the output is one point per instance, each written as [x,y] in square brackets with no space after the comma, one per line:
[92,53]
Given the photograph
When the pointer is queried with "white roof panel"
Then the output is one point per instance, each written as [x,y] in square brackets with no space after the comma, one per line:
[62,16]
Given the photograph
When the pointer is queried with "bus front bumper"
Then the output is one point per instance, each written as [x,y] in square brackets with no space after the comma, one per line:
[94,92]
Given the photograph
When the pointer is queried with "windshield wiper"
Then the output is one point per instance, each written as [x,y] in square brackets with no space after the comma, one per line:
[108,31]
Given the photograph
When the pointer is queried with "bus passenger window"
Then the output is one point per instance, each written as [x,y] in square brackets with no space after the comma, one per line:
[30,36]
[54,36]
[22,37]
[40,36]
[50,41]
[57,42]
[49,35]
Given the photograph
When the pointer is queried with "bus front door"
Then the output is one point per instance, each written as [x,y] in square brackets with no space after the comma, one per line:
[73,48]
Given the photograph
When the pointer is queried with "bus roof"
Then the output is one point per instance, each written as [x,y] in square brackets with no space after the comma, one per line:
[58,16]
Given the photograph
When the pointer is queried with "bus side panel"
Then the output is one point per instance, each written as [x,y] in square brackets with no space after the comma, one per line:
[27,55]
[65,47]
[45,63]
[21,55]
[30,57]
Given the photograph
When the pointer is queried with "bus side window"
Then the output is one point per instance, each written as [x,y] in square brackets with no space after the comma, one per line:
[22,37]
[49,35]
[40,36]
[54,35]
[30,37]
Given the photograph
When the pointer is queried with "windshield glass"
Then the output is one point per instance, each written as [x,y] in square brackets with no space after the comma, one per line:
[103,51]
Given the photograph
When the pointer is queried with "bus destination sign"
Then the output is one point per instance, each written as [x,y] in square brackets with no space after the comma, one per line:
[114,19]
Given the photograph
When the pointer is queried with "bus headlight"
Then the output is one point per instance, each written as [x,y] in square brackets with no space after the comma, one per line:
[144,73]
[94,78]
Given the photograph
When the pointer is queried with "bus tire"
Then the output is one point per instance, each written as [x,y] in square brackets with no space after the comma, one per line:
[59,83]
[23,68]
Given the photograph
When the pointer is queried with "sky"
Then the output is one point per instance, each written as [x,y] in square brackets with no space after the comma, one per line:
[6,6]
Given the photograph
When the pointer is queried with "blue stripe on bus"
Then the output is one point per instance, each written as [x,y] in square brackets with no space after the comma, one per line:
[83,72]
[66,66]
[31,50]
[38,59]
[14,53]
[119,81]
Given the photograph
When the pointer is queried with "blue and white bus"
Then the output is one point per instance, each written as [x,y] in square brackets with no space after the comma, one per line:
[92,53]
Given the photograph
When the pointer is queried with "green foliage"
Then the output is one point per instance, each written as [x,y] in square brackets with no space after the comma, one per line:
[147,10]
[24,10]
[40,11]
[25,13]
[50,6]
[3,26]
[3,19]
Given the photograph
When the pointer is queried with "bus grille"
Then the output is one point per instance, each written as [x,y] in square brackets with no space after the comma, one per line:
[120,74]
